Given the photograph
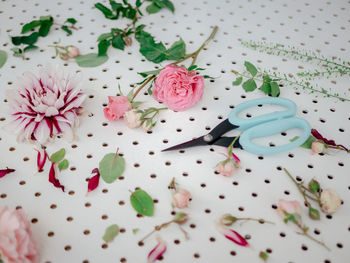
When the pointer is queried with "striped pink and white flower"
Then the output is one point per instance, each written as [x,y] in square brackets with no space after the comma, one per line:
[46,106]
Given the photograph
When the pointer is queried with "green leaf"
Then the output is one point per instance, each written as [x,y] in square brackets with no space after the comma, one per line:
[177,50]
[289,217]
[153,8]
[314,186]
[251,68]
[3,58]
[138,3]
[167,4]
[116,6]
[237,82]
[106,11]
[16,40]
[129,12]
[29,26]
[118,42]
[152,72]
[314,213]
[45,28]
[266,88]
[103,47]
[249,85]
[63,165]
[275,89]
[142,202]
[30,47]
[104,36]
[136,104]
[58,156]
[91,60]
[152,51]
[307,144]
[17,52]
[140,28]
[45,18]
[111,167]
[73,21]
[110,233]
[66,29]
[31,39]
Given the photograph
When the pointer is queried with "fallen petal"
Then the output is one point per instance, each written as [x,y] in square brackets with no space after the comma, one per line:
[53,179]
[41,158]
[232,235]
[157,251]
[6,171]
[94,181]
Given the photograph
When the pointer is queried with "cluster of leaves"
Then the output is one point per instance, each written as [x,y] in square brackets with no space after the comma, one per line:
[332,67]
[44,25]
[269,86]
[58,157]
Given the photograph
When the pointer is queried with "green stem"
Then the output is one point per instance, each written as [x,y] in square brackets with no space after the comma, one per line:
[140,88]
[156,228]
[229,152]
[313,239]
[255,219]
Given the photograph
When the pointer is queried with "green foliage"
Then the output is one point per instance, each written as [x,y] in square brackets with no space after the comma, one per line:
[111,167]
[156,52]
[250,68]
[63,165]
[110,233]
[237,82]
[157,5]
[113,13]
[249,85]
[314,186]
[3,58]
[58,156]
[142,202]
[90,60]
[307,144]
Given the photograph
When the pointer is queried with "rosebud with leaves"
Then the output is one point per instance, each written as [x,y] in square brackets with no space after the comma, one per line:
[72,51]
[181,198]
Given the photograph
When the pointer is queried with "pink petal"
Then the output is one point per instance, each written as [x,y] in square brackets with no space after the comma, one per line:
[6,171]
[232,235]
[41,159]
[94,181]
[157,251]
[53,179]
[236,158]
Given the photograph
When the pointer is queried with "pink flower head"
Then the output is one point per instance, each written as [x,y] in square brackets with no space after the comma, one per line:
[133,118]
[181,198]
[157,251]
[117,106]
[290,207]
[45,106]
[178,88]
[72,51]
[227,166]
[17,244]
[317,147]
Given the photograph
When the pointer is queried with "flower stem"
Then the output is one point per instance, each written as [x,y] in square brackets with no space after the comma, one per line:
[156,228]
[260,220]
[312,238]
[141,87]
[229,152]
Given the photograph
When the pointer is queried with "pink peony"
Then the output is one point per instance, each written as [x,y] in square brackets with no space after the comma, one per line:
[178,88]
[45,106]
[181,198]
[117,106]
[16,241]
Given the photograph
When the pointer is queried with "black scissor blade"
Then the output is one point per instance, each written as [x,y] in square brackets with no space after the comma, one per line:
[195,142]
[226,141]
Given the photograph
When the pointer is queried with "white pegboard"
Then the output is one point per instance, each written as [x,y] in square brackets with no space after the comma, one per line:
[69,226]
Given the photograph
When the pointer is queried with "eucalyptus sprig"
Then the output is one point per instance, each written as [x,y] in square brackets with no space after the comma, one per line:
[44,25]
[332,65]
[271,81]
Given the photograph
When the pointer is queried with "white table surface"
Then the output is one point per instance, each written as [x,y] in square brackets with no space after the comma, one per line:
[313,25]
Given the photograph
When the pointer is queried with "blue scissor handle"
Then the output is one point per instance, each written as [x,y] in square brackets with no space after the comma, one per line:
[247,123]
[270,128]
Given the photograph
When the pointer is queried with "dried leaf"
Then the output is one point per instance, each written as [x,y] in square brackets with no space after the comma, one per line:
[110,233]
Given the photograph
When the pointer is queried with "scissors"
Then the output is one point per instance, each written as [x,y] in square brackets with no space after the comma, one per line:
[260,126]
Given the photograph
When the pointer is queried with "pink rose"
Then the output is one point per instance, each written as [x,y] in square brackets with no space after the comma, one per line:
[133,118]
[290,207]
[227,167]
[181,198]
[178,88]
[16,241]
[72,51]
[317,147]
[117,106]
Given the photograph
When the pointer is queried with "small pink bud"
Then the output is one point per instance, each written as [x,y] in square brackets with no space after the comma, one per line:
[133,118]
[181,198]
[226,167]
[290,207]
[317,147]
[73,51]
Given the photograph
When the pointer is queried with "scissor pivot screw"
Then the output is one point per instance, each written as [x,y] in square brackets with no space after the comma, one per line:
[208,138]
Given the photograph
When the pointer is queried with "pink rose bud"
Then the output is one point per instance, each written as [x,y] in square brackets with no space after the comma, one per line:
[73,51]
[178,88]
[329,201]
[117,106]
[290,207]
[181,198]
[226,167]
[127,41]
[64,56]
[17,244]
[317,147]
[133,118]
[228,219]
